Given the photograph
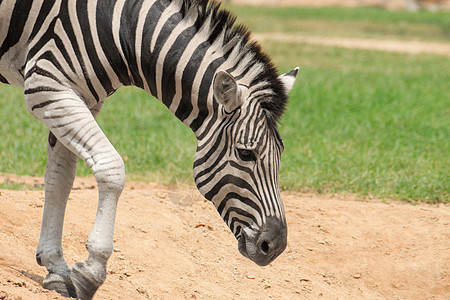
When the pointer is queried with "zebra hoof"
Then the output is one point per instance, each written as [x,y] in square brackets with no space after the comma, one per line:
[60,284]
[86,281]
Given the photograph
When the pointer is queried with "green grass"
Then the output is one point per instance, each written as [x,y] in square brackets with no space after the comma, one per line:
[22,142]
[11,185]
[154,141]
[368,122]
[151,140]
[357,22]
[364,122]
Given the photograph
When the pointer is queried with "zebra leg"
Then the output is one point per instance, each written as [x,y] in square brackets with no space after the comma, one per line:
[73,124]
[59,176]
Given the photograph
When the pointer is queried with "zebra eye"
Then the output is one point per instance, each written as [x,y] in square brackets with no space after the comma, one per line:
[246,155]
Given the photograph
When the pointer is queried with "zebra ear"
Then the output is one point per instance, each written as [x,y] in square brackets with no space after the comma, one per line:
[226,91]
[288,79]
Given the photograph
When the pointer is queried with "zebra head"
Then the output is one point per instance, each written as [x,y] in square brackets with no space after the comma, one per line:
[236,166]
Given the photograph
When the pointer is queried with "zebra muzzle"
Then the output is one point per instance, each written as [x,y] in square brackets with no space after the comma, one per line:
[266,244]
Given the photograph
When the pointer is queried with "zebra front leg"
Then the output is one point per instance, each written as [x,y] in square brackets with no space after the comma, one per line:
[87,276]
[109,172]
[59,176]
[74,126]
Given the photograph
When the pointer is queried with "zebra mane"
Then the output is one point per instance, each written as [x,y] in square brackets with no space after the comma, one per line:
[238,44]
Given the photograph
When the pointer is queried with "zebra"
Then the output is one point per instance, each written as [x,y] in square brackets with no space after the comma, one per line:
[70,55]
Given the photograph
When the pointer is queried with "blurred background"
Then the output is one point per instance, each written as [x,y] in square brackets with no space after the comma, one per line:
[369,114]
[412,5]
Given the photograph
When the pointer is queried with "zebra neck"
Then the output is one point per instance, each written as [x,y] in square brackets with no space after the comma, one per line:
[176,48]
[177,61]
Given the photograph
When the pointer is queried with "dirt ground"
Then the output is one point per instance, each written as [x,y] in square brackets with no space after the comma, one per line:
[409,47]
[171,243]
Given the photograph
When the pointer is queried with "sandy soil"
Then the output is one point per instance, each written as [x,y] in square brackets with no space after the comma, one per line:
[410,47]
[171,243]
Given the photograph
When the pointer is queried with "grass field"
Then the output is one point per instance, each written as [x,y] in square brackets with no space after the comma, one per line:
[363,122]
[345,22]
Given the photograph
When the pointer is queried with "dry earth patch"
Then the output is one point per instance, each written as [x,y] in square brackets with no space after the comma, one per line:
[170,242]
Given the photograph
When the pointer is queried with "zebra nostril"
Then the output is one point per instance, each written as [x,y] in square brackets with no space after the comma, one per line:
[265,247]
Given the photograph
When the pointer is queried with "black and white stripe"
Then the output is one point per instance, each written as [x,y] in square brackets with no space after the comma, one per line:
[70,55]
